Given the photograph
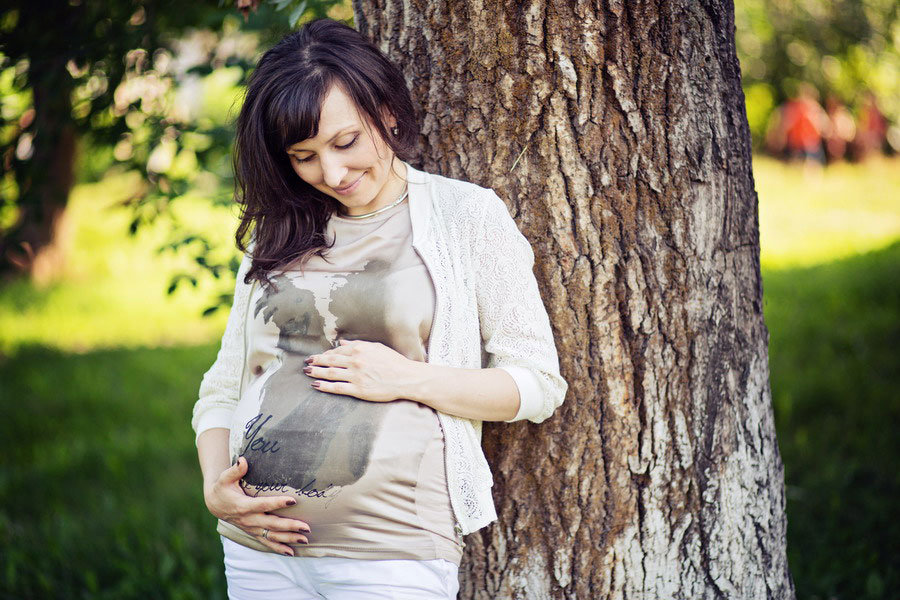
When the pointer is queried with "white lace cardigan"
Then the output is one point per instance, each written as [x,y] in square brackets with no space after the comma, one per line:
[488,313]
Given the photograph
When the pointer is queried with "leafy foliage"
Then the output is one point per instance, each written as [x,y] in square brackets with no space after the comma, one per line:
[842,47]
[128,76]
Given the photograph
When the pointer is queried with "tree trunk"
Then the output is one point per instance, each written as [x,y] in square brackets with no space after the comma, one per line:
[617,134]
[36,245]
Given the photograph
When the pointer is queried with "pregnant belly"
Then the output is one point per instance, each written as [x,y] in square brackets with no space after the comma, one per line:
[353,466]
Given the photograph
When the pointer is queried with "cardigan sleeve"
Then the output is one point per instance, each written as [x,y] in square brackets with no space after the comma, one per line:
[220,386]
[515,327]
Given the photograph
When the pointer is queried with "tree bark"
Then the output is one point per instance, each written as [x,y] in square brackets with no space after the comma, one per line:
[36,245]
[617,134]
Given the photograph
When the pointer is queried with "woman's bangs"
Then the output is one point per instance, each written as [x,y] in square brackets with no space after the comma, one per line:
[293,114]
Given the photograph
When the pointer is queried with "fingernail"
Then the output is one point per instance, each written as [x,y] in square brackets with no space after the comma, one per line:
[315,384]
[304,529]
[288,553]
[308,360]
[291,502]
[307,370]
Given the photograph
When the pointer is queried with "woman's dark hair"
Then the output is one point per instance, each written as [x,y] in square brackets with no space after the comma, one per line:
[281,107]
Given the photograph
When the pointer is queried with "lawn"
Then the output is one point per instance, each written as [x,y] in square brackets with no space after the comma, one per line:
[99,484]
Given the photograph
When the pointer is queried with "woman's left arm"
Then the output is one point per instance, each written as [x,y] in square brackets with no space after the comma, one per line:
[521,378]
[515,328]
[375,372]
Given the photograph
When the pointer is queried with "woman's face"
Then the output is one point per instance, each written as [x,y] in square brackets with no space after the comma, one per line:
[348,159]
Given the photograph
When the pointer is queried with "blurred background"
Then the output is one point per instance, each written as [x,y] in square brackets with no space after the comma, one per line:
[123,224]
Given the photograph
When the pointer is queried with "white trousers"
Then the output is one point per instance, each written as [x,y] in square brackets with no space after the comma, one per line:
[255,575]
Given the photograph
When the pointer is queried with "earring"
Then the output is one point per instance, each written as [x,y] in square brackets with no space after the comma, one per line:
[395,130]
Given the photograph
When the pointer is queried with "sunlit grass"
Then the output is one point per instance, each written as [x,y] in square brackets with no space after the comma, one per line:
[814,216]
[113,289]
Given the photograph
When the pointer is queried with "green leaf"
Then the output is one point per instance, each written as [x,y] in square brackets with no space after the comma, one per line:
[297,13]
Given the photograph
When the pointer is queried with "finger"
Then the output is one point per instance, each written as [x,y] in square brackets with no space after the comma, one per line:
[276,523]
[271,543]
[352,346]
[254,518]
[265,504]
[335,387]
[236,471]
[330,360]
[330,352]
[330,373]
[285,537]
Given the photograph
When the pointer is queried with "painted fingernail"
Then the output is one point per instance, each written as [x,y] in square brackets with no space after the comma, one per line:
[304,528]
[307,370]
[291,502]
[308,360]
[302,540]
[315,384]
[288,553]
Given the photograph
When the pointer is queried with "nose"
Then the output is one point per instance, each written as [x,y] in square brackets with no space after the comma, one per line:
[334,173]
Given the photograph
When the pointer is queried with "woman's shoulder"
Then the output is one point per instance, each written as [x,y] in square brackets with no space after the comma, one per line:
[457,195]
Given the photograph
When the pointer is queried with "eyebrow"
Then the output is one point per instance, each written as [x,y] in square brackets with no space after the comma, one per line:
[339,133]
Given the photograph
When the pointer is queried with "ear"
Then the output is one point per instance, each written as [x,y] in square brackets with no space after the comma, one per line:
[388,117]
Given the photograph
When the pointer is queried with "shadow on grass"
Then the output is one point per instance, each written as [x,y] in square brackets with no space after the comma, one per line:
[835,372]
[101,493]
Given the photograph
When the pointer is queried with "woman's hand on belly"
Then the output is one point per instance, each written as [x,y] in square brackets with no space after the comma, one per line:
[226,500]
[365,370]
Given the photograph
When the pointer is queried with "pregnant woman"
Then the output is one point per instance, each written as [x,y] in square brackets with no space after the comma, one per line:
[380,314]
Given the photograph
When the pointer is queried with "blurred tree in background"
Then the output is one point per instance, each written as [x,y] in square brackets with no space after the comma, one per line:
[841,47]
[64,65]
[88,85]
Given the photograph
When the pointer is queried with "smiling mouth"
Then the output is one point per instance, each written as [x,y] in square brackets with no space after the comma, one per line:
[344,189]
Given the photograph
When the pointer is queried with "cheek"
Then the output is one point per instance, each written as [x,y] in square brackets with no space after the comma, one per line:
[375,150]
[303,172]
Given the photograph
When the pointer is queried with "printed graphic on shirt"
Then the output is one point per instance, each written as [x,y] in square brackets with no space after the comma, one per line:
[333,451]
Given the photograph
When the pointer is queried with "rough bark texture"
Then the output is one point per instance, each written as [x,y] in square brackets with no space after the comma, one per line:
[37,244]
[617,134]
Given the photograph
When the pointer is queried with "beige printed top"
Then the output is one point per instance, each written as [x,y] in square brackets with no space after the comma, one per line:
[369,477]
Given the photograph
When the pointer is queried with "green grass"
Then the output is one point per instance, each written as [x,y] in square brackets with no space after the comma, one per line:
[100,487]
[99,478]
[834,376]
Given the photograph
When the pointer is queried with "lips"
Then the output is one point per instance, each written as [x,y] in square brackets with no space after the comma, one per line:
[350,187]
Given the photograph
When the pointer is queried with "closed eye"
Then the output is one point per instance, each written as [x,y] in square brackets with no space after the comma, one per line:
[344,147]
[353,141]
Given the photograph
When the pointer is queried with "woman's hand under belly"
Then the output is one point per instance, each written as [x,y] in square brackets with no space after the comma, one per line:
[226,500]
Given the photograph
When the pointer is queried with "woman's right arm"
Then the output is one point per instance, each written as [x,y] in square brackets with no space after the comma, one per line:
[220,386]
[218,398]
